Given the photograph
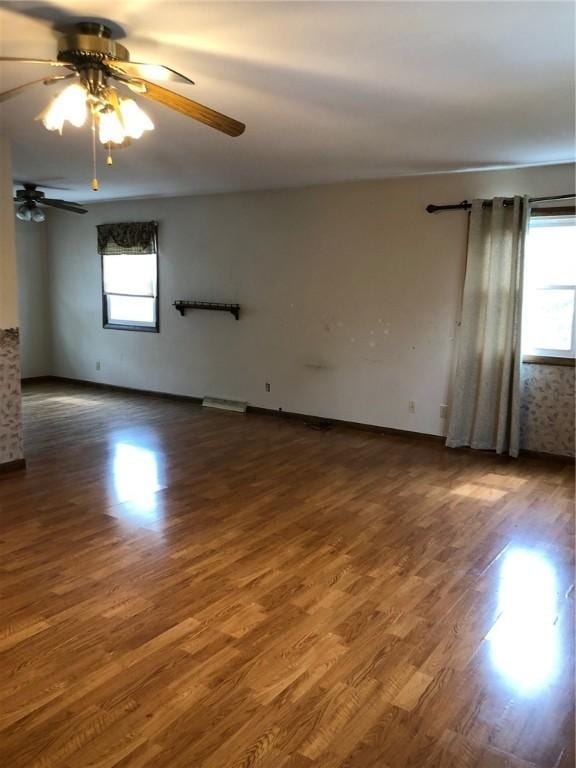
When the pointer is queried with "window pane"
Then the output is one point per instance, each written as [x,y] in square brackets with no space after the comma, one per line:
[130,273]
[550,280]
[131,310]
[551,252]
[548,319]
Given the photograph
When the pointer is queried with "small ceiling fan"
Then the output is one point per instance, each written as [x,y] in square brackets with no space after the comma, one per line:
[31,199]
[93,58]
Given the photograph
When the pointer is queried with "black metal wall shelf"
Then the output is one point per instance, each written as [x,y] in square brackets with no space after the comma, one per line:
[182,305]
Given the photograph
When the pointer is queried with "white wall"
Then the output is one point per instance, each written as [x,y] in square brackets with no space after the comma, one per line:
[35,332]
[350,295]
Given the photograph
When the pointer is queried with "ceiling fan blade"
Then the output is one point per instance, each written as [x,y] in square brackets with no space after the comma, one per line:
[50,62]
[43,12]
[140,70]
[190,108]
[63,204]
[45,183]
[19,88]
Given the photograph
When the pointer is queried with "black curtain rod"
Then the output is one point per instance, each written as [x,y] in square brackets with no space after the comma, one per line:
[465,205]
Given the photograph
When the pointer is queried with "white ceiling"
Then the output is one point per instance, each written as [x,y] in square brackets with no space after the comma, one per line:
[329,91]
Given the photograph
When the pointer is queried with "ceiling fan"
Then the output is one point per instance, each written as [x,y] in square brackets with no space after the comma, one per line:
[88,54]
[31,198]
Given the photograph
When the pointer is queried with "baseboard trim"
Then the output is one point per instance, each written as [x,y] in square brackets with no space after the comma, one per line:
[36,379]
[357,425]
[294,415]
[13,466]
[562,457]
[113,387]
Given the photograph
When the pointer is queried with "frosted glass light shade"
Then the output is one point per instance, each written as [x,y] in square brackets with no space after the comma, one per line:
[24,213]
[136,121]
[69,105]
[110,128]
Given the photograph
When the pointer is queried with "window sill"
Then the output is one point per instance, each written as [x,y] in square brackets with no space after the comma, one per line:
[139,328]
[544,360]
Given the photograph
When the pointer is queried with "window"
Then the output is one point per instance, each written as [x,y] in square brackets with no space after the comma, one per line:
[548,325]
[129,276]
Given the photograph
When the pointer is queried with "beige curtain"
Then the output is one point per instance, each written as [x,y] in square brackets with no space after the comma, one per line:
[485,408]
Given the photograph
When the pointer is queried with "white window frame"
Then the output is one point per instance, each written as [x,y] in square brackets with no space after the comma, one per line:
[535,354]
[130,325]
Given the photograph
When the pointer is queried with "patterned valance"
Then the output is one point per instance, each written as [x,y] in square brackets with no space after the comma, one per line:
[129,237]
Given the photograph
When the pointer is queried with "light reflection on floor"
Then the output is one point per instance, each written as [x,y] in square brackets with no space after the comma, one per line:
[525,643]
[75,401]
[135,477]
[480,492]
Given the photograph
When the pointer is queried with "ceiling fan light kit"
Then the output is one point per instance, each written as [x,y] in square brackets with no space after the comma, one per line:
[117,118]
[30,213]
[93,57]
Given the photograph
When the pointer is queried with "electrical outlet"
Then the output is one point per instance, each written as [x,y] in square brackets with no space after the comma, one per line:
[98,365]
[443,411]
[411,406]
[267,386]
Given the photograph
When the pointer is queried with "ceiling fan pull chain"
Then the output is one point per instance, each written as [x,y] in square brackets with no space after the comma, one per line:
[95,184]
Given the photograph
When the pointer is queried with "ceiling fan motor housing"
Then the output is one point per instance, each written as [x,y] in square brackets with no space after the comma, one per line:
[30,194]
[90,42]
[87,46]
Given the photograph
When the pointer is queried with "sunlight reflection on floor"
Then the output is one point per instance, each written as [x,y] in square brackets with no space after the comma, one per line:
[77,401]
[482,492]
[135,477]
[524,642]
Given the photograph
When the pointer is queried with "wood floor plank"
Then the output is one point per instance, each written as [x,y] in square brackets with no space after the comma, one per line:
[182,588]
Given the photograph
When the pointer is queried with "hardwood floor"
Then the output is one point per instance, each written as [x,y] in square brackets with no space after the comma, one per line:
[184,588]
